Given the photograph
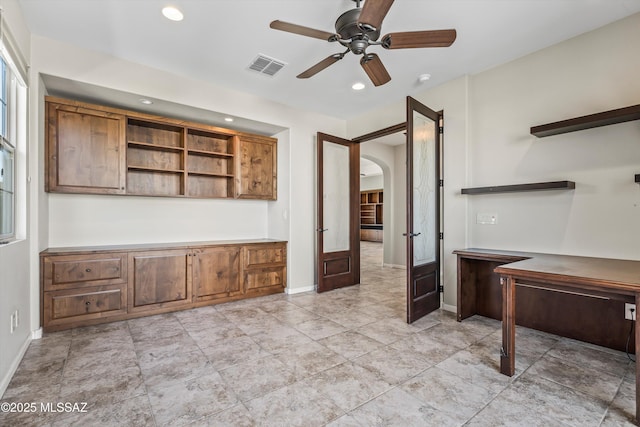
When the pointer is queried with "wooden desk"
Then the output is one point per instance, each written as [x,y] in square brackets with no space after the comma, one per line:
[602,278]
[596,319]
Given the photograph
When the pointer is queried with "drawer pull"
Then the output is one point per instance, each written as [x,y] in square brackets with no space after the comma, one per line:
[88,270]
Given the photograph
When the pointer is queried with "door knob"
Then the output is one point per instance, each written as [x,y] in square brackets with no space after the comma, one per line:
[411,234]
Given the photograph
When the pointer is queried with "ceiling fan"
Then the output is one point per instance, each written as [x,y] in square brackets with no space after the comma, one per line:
[359,28]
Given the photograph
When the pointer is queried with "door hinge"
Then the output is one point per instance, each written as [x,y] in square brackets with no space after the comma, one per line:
[441,130]
[441,236]
[441,183]
[441,288]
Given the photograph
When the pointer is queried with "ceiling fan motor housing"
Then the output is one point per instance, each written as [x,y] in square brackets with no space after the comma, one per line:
[348,28]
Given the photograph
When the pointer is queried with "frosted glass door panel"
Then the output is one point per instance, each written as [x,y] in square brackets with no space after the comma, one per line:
[424,189]
[335,197]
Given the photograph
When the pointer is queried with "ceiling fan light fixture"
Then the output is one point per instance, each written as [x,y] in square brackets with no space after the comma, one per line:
[172,13]
[357,86]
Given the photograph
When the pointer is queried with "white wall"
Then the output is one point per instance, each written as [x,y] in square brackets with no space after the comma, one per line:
[591,73]
[372,182]
[79,220]
[15,293]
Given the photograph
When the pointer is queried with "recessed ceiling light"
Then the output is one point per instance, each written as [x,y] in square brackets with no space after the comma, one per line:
[146,101]
[172,13]
[228,119]
[357,86]
[424,77]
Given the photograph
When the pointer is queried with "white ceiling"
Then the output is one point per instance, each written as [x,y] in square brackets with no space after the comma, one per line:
[219,38]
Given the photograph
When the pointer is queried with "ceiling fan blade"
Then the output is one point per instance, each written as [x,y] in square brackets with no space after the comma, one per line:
[330,60]
[373,12]
[303,31]
[375,69]
[413,39]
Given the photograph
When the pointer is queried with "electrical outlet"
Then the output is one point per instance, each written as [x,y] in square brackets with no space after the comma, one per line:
[630,311]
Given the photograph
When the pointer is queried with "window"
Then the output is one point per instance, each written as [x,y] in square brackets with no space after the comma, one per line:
[9,100]
[6,163]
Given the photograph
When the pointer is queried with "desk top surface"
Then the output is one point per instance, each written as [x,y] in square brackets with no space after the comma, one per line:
[611,273]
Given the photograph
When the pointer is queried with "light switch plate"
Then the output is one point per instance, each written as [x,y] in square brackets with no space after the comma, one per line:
[487,218]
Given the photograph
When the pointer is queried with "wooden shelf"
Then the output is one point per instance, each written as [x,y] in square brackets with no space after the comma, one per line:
[148,169]
[210,153]
[605,118]
[147,146]
[538,186]
[220,175]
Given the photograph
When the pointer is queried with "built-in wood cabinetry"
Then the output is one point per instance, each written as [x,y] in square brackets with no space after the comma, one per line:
[159,279]
[103,150]
[256,162]
[86,152]
[85,286]
[217,273]
[371,203]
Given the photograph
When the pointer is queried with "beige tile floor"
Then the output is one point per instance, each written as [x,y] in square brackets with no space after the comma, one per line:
[342,358]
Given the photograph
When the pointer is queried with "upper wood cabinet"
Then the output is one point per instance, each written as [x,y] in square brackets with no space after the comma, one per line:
[85,150]
[95,149]
[256,161]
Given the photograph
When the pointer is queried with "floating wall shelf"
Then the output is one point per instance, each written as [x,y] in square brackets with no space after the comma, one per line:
[605,118]
[538,186]
[638,178]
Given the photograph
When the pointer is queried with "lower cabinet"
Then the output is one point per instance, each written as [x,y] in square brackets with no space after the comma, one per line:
[86,286]
[216,273]
[159,279]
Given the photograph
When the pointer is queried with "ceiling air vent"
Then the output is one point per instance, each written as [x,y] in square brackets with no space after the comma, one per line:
[265,65]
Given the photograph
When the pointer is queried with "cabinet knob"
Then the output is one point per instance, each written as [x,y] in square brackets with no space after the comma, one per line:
[88,270]
[88,303]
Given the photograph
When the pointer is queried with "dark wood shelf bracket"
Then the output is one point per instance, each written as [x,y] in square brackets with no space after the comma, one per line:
[605,118]
[538,186]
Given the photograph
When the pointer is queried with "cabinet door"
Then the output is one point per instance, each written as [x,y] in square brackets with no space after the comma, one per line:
[216,273]
[256,168]
[85,150]
[159,279]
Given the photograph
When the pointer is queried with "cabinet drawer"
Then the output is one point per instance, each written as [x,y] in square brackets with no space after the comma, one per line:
[265,278]
[265,255]
[64,272]
[78,305]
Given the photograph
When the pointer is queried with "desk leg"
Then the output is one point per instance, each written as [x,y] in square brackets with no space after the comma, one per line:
[637,326]
[508,351]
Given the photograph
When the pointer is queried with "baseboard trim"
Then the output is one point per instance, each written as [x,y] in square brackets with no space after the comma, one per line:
[451,308]
[294,291]
[37,334]
[14,365]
